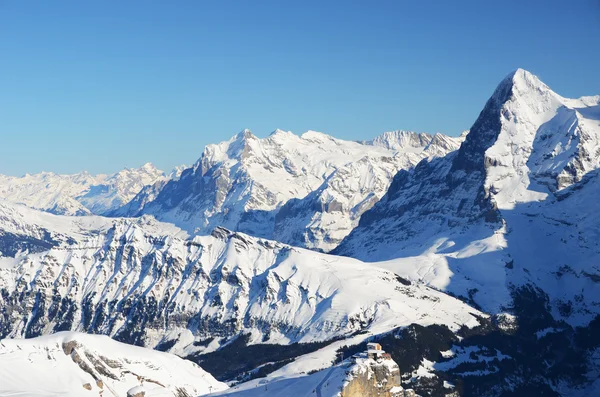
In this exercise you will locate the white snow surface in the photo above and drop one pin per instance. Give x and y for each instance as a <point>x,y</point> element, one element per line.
<point>515,205</point>
<point>82,193</point>
<point>545,139</point>
<point>41,367</point>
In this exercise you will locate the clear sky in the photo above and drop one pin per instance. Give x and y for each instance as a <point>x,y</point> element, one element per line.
<point>102,85</point>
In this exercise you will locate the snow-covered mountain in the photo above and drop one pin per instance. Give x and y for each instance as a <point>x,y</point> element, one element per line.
<point>513,206</point>
<point>82,193</point>
<point>307,190</point>
<point>74,365</point>
<point>147,283</point>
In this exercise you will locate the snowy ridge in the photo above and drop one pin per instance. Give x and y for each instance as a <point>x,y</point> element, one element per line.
<point>405,141</point>
<point>507,223</point>
<point>79,194</point>
<point>145,282</point>
<point>401,140</point>
<point>307,190</point>
<point>24,230</point>
<point>74,364</point>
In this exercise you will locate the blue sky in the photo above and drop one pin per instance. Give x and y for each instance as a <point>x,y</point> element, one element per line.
<point>102,85</point>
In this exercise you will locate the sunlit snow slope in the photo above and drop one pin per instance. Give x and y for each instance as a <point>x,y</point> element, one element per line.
<point>78,365</point>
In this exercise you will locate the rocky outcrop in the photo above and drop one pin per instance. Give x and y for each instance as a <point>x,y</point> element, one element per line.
<point>370,378</point>
<point>136,392</point>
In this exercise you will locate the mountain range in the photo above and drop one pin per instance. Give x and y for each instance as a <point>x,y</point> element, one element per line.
<point>473,260</point>
<point>307,190</point>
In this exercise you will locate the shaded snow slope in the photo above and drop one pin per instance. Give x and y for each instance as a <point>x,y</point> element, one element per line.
<point>78,194</point>
<point>74,364</point>
<point>307,190</point>
<point>514,205</point>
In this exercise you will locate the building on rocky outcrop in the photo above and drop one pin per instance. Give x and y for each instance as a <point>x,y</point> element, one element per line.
<point>374,373</point>
<point>374,351</point>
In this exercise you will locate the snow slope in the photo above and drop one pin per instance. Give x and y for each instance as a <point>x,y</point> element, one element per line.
<point>307,190</point>
<point>74,364</point>
<point>513,206</point>
<point>329,382</point>
<point>324,383</point>
<point>78,194</point>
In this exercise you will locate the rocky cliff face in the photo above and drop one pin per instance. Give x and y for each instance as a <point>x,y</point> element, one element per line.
<point>374,378</point>
<point>527,143</point>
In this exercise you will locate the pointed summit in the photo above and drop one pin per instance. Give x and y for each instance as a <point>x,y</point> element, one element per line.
<point>524,75</point>
<point>520,101</point>
<point>244,134</point>
<point>518,83</point>
<point>519,74</point>
<point>149,167</point>
<point>280,132</point>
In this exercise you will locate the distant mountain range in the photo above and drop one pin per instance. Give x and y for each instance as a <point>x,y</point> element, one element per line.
<point>82,193</point>
<point>307,190</point>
